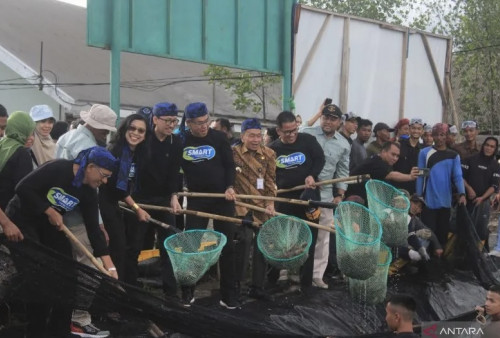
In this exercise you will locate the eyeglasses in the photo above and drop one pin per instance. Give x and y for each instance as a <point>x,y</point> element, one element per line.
<point>199,123</point>
<point>135,129</point>
<point>469,124</point>
<point>290,132</point>
<point>103,175</point>
<point>416,121</point>
<point>169,121</point>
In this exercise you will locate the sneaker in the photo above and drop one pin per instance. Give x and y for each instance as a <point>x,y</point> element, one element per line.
<point>318,282</point>
<point>259,293</point>
<point>283,276</point>
<point>495,253</point>
<point>187,297</point>
<point>229,304</point>
<point>87,331</point>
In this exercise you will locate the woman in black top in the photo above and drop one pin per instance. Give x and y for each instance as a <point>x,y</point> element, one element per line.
<point>129,145</point>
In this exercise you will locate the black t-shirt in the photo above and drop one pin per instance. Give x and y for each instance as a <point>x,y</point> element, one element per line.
<point>408,158</point>
<point>208,162</point>
<point>296,161</point>
<point>375,167</point>
<point>481,172</point>
<point>51,185</point>
<point>160,173</point>
<point>17,167</point>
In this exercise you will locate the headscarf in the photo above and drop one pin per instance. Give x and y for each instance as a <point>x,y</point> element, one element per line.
<point>20,126</point>
<point>43,148</point>
<point>125,164</point>
<point>440,128</point>
<point>100,156</point>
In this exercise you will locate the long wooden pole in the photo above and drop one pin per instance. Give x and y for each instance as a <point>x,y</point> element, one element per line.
<point>254,207</point>
<point>254,197</point>
<point>152,220</point>
<point>83,249</point>
<point>350,179</point>
<point>198,213</point>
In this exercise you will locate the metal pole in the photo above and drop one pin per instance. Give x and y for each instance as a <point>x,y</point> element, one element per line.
<point>287,53</point>
<point>115,60</point>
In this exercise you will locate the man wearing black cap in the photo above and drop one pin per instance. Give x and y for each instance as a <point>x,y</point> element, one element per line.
<point>336,149</point>
<point>299,160</point>
<point>382,134</point>
<point>158,185</point>
<point>208,166</point>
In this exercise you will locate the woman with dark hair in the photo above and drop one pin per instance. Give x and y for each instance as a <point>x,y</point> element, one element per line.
<point>130,146</point>
<point>481,179</point>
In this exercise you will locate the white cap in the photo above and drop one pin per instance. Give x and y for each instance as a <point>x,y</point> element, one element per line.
<point>41,112</point>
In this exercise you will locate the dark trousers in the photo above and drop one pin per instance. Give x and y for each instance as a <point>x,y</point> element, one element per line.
<point>47,320</point>
<point>112,217</point>
<point>438,220</point>
<point>227,260</point>
<point>136,233</point>
<point>244,241</point>
<point>306,271</point>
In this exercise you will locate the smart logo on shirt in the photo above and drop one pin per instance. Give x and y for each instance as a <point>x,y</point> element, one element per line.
<point>197,154</point>
<point>60,199</point>
<point>292,160</point>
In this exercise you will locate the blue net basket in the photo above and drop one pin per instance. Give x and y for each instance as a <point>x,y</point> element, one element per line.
<point>193,252</point>
<point>358,240</point>
<point>374,289</point>
<point>284,242</point>
<point>391,207</point>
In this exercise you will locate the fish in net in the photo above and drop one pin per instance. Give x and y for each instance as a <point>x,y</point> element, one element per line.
<point>193,252</point>
<point>391,207</point>
<point>358,240</point>
<point>284,241</point>
<point>374,289</point>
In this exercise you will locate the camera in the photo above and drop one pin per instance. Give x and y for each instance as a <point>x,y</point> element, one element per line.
<point>327,101</point>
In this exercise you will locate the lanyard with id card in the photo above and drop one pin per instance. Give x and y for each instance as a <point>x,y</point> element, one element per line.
<point>260,180</point>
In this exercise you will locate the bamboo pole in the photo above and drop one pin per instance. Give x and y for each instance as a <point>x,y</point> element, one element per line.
<point>198,213</point>
<point>254,197</point>
<point>349,179</point>
<point>84,250</point>
<point>254,207</point>
<point>152,220</point>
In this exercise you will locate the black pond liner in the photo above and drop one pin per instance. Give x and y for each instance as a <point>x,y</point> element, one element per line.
<point>442,293</point>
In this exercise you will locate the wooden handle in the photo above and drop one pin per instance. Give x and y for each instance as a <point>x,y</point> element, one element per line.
<point>83,249</point>
<point>348,180</point>
<point>197,213</point>
<point>254,207</point>
<point>240,196</point>
<point>151,220</point>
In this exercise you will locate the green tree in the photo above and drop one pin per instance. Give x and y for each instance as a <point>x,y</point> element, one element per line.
<point>476,62</point>
<point>251,90</point>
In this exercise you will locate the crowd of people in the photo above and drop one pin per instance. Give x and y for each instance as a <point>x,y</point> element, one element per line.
<point>52,177</point>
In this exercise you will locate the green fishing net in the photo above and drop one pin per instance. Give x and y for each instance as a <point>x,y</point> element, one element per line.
<point>391,207</point>
<point>284,241</point>
<point>358,240</point>
<point>193,252</point>
<point>374,289</point>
